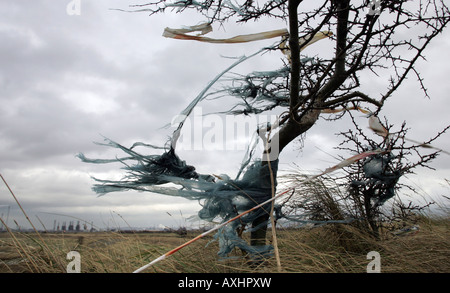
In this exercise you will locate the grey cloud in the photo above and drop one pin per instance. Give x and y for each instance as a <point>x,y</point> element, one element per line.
<point>64,80</point>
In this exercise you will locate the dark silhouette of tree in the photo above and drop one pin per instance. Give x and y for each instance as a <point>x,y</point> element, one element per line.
<point>380,37</point>
<point>375,180</point>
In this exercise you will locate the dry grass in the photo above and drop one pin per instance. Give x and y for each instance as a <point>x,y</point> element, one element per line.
<point>344,250</point>
<point>327,249</point>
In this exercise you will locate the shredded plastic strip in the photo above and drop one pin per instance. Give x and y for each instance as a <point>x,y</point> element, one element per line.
<point>304,42</point>
<point>328,170</point>
<point>180,34</point>
<point>201,96</point>
<point>378,128</point>
<point>164,256</point>
<point>352,160</point>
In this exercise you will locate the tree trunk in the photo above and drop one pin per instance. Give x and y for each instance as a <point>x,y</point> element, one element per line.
<point>297,125</point>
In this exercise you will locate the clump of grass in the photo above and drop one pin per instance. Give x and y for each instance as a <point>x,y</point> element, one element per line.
<point>316,250</point>
<point>336,248</point>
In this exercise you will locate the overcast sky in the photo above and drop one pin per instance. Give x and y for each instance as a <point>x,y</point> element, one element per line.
<point>65,80</point>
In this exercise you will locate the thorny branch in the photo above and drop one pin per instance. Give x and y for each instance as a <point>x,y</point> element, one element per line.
<point>365,45</point>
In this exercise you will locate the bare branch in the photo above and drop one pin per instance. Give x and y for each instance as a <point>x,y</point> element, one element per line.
<point>350,97</point>
<point>295,54</point>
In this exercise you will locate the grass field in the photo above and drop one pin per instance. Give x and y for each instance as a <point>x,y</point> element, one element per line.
<point>326,249</point>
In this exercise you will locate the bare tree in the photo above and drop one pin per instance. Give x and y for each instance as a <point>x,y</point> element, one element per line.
<point>379,37</point>
<point>375,180</point>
